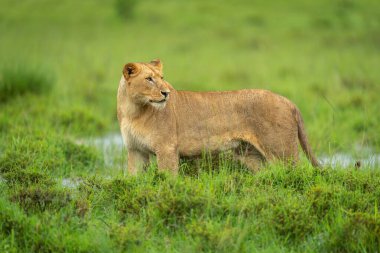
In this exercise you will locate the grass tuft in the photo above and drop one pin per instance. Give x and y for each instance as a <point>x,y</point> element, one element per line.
<point>19,80</point>
<point>40,199</point>
<point>59,196</point>
<point>79,120</point>
<point>292,219</point>
<point>125,8</point>
<point>47,153</point>
<point>356,232</point>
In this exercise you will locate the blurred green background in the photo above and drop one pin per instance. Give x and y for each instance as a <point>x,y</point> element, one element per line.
<point>323,55</point>
<point>62,169</point>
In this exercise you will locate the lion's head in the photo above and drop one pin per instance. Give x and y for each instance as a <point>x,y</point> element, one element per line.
<point>145,83</point>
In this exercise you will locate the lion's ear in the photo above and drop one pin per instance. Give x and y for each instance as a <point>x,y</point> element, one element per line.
<point>157,63</point>
<point>131,69</point>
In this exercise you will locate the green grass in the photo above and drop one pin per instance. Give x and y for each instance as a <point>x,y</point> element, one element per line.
<point>60,67</point>
<point>229,210</point>
<point>20,80</point>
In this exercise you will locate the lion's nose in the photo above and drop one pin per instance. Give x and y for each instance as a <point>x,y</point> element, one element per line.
<point>165,93</point>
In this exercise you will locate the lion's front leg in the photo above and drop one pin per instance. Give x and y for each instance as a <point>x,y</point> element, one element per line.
<point>168,159</point>
<point>137,160</point>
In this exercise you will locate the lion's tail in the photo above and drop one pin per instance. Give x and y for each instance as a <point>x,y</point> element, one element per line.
<point>304,141</point>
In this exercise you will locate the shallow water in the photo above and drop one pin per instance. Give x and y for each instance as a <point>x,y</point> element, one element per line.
<point>111,145</point>
<point>346,160</point>
<point>70,183</point>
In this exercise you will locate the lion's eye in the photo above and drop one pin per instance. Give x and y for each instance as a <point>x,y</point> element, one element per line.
<point>150,79</point>
<point>162,78</point>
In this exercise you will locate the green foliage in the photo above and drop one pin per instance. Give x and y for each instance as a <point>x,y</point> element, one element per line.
<point>320,198</point>
<point>130,236</point>
<point>213,236</point>
<point>22,79</point>
<point>26,177</point>
<point>323,55</point>
<point>228,210</point>
<point>292,219</point>
<point>40,199</point>
<point>27,233</point>
<point>125,8</point>
<point>179,201</point>
<point>355,232</point>
<point>78,121</point>
<point>46,153</point>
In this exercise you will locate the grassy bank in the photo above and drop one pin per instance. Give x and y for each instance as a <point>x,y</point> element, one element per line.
<point>228,210</point>
<point>59,70</point>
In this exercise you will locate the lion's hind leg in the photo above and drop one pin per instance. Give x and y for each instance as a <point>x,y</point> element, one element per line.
<point>248,155</point>
<point>252,162</point>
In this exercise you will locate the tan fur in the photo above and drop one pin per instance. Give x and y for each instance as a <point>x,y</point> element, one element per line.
<point>257,125</point>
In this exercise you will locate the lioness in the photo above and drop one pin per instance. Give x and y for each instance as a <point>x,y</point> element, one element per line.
<point>154,118</point>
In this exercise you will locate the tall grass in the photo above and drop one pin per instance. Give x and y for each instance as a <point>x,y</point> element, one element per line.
<point>18,80</point>
<point>323,55</point>
<point>227,209</point>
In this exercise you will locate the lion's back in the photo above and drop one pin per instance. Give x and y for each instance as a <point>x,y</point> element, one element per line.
<point>224,116</point>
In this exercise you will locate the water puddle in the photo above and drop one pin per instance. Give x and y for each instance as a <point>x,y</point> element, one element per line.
<point>343,160</point>
<point>2,180</point>
<point>70,183</point>
<point>111,146</point>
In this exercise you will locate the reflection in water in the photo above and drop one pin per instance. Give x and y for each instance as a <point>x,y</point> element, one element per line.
<point>346,160</point>
<point>70,183</point>
<point>111,146</point>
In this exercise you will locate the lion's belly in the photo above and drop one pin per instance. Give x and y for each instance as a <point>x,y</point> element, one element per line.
<point>195,146</point>
<point>213,133</point>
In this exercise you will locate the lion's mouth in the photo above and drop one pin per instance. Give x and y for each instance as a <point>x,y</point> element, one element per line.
<point>158,101</point>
